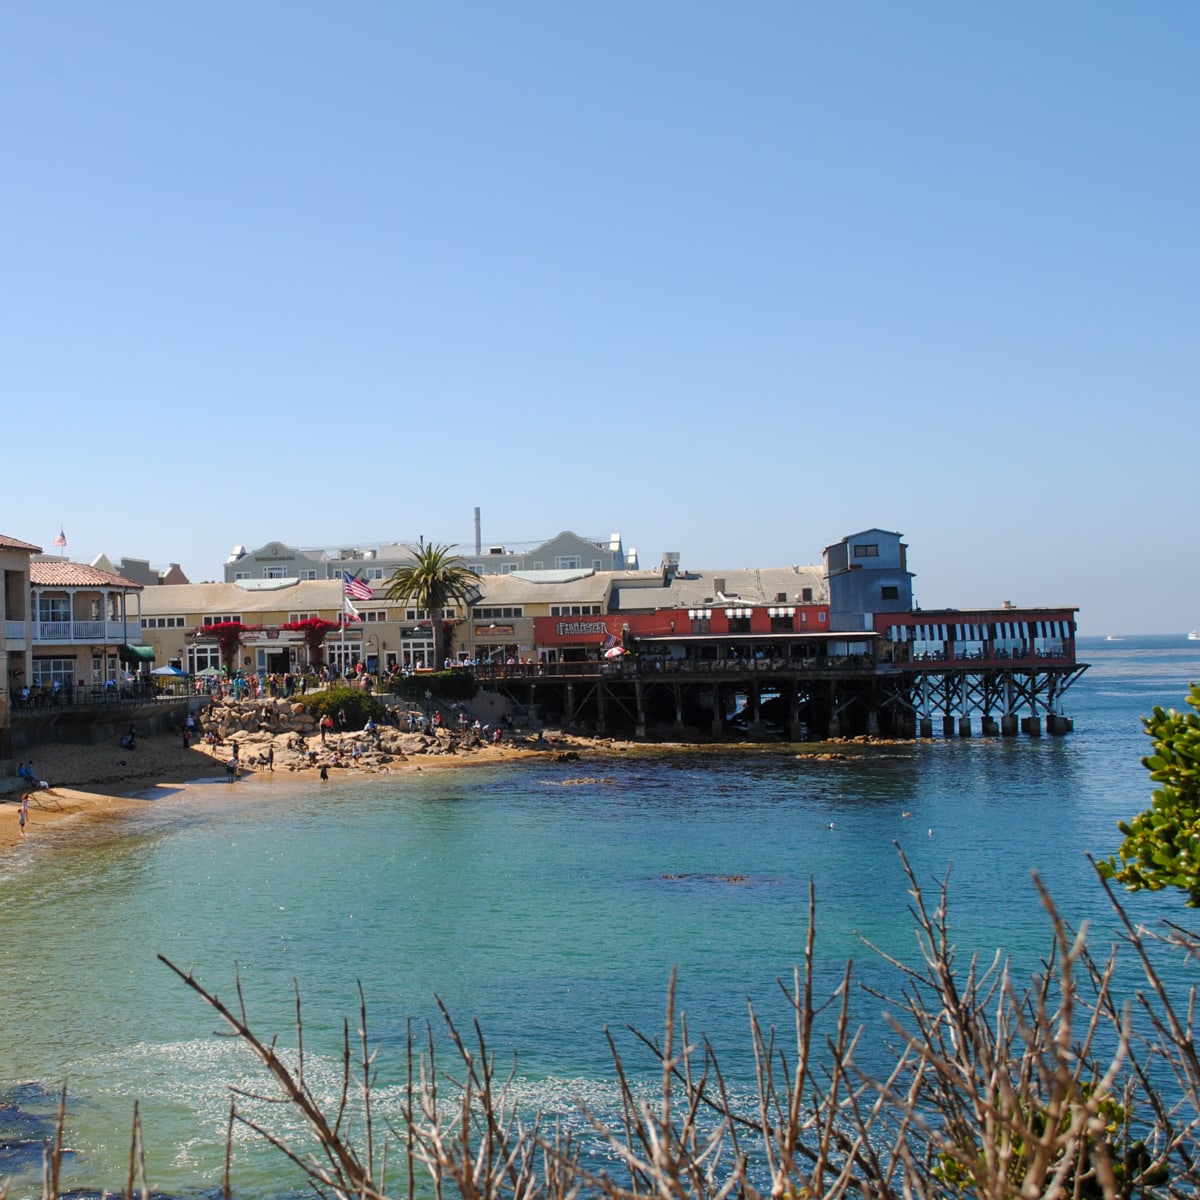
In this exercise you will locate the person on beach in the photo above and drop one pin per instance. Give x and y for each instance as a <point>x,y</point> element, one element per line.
<point>270,758</point>
<point>23,815</point>
<point>324,773</point>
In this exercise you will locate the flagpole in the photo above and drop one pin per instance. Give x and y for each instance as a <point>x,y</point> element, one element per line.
<point>343,662</point>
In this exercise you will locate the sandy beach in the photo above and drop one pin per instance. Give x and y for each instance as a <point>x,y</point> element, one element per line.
<point>104,780</point>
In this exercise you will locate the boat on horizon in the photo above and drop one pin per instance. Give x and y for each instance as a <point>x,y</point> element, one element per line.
<point>1194,636</point>
<point>1113,637</point>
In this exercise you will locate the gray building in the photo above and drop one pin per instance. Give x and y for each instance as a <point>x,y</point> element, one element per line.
<point>375,564</point>
<point>866,573</point>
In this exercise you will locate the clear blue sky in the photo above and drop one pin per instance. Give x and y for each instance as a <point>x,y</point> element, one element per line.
<point>734,280</point>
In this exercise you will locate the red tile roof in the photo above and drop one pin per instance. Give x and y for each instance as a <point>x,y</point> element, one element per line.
<point>8,543</point>
<point>61,572</point>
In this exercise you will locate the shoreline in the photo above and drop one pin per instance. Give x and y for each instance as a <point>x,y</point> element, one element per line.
<point>99,781</point>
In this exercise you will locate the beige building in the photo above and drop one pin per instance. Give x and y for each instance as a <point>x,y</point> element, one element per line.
<point>384,635</point>
<point>16,651</point>
<point>84,623</point>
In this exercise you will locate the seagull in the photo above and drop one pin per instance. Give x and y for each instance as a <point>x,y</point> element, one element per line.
<point>906,814</point>
<point>830,825</point>
<point>931,833</point>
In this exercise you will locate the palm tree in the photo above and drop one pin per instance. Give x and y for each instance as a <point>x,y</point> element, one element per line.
<point>431,581</point>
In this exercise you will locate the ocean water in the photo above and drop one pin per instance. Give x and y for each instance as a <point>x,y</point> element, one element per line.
<point>547,901</point>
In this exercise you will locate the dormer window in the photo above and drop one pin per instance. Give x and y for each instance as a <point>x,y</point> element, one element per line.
<point>867,550</point>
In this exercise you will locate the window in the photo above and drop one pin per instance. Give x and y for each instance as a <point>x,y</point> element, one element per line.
<point>506,613</point>
<point>575,610</point>
<point>507,568</point>
<point>537,566</point>
<point>889,593</point>
<point>241,575</point>
<point>476,567</point>
<point>821,618</point>
<point>162,623</point>
<point>597,565</point>
<point>568,562</point>
<point>306,575</point>
<point>373,614</point>
<point>53,608</point>
<point>294,617</point>
<point>200,658</point>
<point>274,573</point>
<point>806,595</point>
<point>374,572</point>
<point>53,670</point>
<point>221,620</point>
<point>868,550</point>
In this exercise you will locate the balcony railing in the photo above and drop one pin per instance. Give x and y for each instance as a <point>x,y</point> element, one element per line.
<point>107,632</point>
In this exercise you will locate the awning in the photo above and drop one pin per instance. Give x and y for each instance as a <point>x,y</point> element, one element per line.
<point>135,654</point>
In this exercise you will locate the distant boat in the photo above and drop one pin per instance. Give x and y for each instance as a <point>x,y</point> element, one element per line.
<point>1112,637</point>
<point>1194,636</point>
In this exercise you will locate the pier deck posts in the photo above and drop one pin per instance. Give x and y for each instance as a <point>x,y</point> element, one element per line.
<point>873,723</point>
<point>989,726</point>
<point>926,727</point>
<point>718,717</point>
<point>1032,726</point>
<point>947,726</point>
<point>964,726</point>
<point>678,691</point>
<point>1008,725</point>
<point>640,699</point>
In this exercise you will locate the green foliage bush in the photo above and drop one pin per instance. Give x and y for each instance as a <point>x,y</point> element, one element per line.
<point>1162,845</point>
<point>444,685</point>
<point>354,702</point>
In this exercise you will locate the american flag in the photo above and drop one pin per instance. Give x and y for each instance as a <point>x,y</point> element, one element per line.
<point>609,642</point>
<point>355,587</point>
<point>61,540</point>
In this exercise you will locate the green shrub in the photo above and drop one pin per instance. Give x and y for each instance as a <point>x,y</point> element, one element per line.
<point>444,685</point>
<point>355,703</point>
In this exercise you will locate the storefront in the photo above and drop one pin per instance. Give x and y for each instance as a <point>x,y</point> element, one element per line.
<point>575,639</point>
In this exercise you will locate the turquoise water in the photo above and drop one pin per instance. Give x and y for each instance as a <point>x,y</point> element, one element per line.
<point>546,900</point>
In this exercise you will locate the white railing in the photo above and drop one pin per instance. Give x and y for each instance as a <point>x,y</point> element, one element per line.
<point>107,632</point>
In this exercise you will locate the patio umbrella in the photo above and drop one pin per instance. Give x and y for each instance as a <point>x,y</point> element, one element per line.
<point>210,671</point>
<point>615,652</point>
<point>171,672</point>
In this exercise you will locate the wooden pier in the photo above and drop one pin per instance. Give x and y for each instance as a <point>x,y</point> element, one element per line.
<point>808,697</point>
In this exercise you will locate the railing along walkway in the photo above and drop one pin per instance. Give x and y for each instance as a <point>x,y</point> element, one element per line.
<point>93,696</point>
